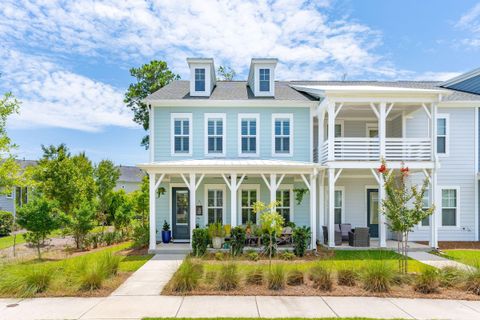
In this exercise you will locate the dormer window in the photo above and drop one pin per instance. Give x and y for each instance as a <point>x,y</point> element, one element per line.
<point>200,79</point>
<point>264,80</point>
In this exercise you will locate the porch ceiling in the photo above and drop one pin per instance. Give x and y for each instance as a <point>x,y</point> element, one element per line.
<point>364,111</point>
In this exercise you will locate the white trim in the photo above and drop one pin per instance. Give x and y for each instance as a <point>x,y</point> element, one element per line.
<point>245,187</point>
<point>475,171</point>
<point>376,187</point>
<point>214,116</point>
<point>370,126</point>
<point>290,188</point>
<point>445,116</point>
<point>288,116</point>
<point>151,131</point>
<point>242,116</point>
<point>342,189</point>
<point>174,116</point>
<point>457,213</point>
<point>212,187</point>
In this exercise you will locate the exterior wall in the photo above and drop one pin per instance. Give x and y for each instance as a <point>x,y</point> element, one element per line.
<point>7,204</point>
<point>301,212</point>
<point>301,131</point>
<point>128,186</point>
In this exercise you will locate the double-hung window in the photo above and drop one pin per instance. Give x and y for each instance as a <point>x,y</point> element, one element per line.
<point>449,207</point>
<point>338,206</point>
<point>215,205</point>
<point>248,134</point>
<point>284,207</point>
<point>442,134</point>
<point>426,206</point>
<point>200,79</point>
<point>264,80</point>
<point>248,198</point>
<point>215,137</point>
<point>282,134</point>
<point>181,133</point>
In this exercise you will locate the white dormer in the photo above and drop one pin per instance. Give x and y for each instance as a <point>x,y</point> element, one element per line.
<point>202,76</point>
<point>261,77</point>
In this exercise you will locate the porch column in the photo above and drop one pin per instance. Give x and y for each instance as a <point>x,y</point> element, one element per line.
<point>331,131</point>
<point>321,204</point>
<point>233,185</point>
<point>434,218</point>
<point>320,134</point>
<point>193,188</point>
<point>153,186</point>
<point>313,209</point>
<point>382,226</point>
<point>331,207</point>
<point>273,184</point>
<point>382,128</point>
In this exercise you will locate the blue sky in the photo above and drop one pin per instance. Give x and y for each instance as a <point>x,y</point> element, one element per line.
<point>68,61</point>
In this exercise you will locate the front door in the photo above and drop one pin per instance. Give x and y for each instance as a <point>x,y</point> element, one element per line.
<point>181,213</point>
<point>372,212</point>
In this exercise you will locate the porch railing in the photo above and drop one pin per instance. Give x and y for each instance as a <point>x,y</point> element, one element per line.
<point>408,149</point>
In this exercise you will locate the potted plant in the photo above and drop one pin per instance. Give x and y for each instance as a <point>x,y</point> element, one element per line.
<point>166,232</point>
<point>217,233</point>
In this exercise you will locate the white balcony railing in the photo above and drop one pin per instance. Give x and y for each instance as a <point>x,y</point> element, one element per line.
<point>368,149</point>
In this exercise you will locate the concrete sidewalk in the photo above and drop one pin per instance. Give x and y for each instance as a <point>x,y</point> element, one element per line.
<point>436,261</point>
<point>136,307</point>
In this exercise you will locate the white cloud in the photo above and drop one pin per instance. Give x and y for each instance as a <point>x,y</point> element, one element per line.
<point>52,96</point>
<point>470,21</point>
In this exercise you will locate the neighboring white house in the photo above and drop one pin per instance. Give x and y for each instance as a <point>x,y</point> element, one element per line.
<point>218,146</point>
<point>130,178</point>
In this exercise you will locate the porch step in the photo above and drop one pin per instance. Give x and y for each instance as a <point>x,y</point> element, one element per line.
<point>171,249</point>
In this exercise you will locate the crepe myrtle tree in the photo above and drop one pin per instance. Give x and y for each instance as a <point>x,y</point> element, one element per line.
<point>403,207</point>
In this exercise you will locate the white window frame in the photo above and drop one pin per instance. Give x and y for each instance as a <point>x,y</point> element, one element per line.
<point>279,116</point>
<point>457,213</point>
<point>215,116</point>
<point>370,126</point>
<point>289,188</point>
<point>247,187</point>
<point>242,116</point>
<point>445,116</point>
<point>342,216</point>
<point>342,128</point>
<point>214,187</point>
<point>204,80</point>
<point>173,117</point>
<point>420,225</point>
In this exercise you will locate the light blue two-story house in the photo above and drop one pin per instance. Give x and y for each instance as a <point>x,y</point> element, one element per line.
<point>216,147</point>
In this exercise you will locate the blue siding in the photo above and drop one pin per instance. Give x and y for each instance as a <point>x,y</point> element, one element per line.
<point>301,133</point>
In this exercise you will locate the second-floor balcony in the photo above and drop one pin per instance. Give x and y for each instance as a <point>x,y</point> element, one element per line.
<point>368,149</point>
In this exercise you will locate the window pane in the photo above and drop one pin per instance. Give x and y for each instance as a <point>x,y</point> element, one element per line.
<point>286,144</point>
<point>211,144</point>
<point>338,199</point>
<point>338,130</point>
<point>442,126</point>
<point>211,200</point>
<point>211,127</point>
<point>244,198</point>
<point>185,127</point>
<point>219,127</point>
<point>199,79</point>
<point>219,146</point>
<point>185,144</point>
<point>253,146</point>
<point>278,128</point>
<point>449,217</point>
<point>338,216</point>
<point>244,144</point>
<point>278,144</point>
<point>253,127</point>
<point>219,198</point>
<point>426,222</point>
<point>441,145</point>
<point>286,128</point>
<point>253,197</point>
<point>178,144</point>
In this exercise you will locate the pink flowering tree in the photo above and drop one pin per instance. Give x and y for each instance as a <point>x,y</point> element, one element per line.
<point>403,207</point>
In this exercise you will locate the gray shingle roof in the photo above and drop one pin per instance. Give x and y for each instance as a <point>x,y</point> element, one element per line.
<point>130,174</point>
<point>238,90</point>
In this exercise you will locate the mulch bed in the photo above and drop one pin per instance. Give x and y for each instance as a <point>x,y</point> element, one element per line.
<point>446,245</point>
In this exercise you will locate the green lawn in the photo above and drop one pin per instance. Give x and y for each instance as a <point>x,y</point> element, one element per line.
<point>470,257</point>
<point>6,242</point>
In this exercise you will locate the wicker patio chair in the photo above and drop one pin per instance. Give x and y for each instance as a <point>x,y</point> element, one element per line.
<point>359,237</point>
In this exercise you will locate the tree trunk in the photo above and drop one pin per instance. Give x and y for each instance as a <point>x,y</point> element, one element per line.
<point>38,251</point>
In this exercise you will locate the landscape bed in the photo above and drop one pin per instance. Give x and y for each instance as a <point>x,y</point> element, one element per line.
<point>216,271</point>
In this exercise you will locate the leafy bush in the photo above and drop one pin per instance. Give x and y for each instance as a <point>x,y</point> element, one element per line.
<point>286,255</point>
<point>228,277</point>
<point>427,281</point>
<point>347,277</point>
<point>216,230</point>
<point>80,223</point>
<point>123,218</point>
<point>295,278</point>
<point>6,223</point>
<point>321,277</point>
<point>301,238</point>
<point>94,240</point>
<point>141,235</point>
<point>200,242</point>
<point>451,276</point>
<point>472,281</point>
<point>27,281</point>
<point>255,276</point>
<point>276,277</point>
<point>187,276</point>
<point>237,240</point>
<point>377,277</point>
<point>111,237</point>
<point>253,256</point>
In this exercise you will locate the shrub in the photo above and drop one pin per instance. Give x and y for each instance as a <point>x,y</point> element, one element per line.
<point>187,276</point>
<point>427,281</point>
<point>472,281</point>
<point>321,277</point>
<point>255,276</point>
<point>123,218</point>
<point>92,276</point>
<point>403,278</point>
<point>347,277</point>
<point>276,277</point>
<point>109,263</point>
<point>80,223</point>
<point>6,223</point>
<point>228,277</point>
<point>301,238</point>
<point>237,240</point>
<point>111,237</point>
<point>451,276</point>
<point>141,235</point>
<point>378,277</point>
<point>94,240</point>
<point>26,281</point>
<point>253,256</point>
<point>219,256</point>
<point>295,278</point>
<point>200,242</point>
<point>210,277</point>
<point>287,255</point>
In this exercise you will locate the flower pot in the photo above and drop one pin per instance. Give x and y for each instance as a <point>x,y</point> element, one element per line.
<point>166,236</point>
<point>217,242</point>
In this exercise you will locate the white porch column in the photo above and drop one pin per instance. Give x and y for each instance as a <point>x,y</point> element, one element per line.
<point>313,209</point>
<point>320,134</point>
<point>152,217</point>
<point>321,204</point>
<point>331,207</point>
<point>193,188</point>
<point>382,128</point>
<point>331,131</point>
<point>233,185</point>
<point>273,187</point>
<point>382,226</point>
<point>434,218</point>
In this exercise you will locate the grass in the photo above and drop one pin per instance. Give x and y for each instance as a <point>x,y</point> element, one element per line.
<point>65,275</point>
<point>470,257</point>
<point>7,242</point>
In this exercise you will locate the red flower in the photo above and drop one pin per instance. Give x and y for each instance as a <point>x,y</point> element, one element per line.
<point>404,170</point>
<point>382,168</point>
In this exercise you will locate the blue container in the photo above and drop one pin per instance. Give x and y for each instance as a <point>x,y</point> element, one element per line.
<point>166,236</point>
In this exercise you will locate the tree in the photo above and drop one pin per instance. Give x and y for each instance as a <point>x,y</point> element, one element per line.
<point>39,217</point>
<point>226,73</point>
<point>403,207</point>
<point>123,218</point>
<point>106,176</point>
<point>271,223</point>
<point>139,200</point>
<point>81,223</point>
<point>150,77</point>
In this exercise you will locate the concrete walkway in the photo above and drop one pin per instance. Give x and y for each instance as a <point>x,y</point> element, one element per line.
<point>436,261</point>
